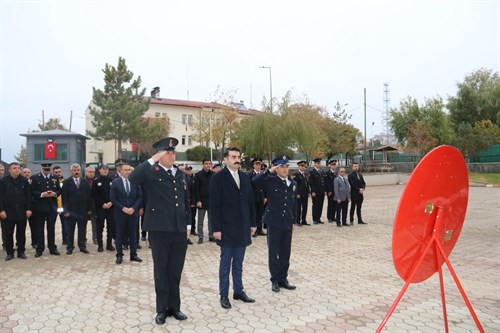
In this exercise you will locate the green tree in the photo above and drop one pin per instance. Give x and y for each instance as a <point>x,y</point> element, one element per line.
<point>430,115</point>
<point>472,139</point>
<point>117,110</point>
<point>198,153</point>
<point>153,128</point>
<point>477,99</point>
<point>341,138</point>
<point>22,156</point>
<point>51,124</point>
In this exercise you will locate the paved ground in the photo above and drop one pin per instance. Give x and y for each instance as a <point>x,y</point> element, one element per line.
<point>345,277</point>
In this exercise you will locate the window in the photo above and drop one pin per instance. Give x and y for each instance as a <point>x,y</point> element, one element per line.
<point>61,151</point>
<point>164,114</point>
<point>190,120</point>
<point>183,140</point>
<point>184,119</point>
<point>157,114</point>
<point>190,143</point>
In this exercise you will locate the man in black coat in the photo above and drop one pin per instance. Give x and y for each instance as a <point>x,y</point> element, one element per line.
<point>317,183</point>
<point>15,208</point>
<point>168,223</point>
<point>104,210</point>
<point>330,176</point>
<point>258,196</point>
<point>45,189</point>
<point>201,195</point>
<point>302,180</point>
<point>279,219</point>
<point>232,213</point>
<point>358,186</point>
<point>190,186</point>
<point>77,205</point>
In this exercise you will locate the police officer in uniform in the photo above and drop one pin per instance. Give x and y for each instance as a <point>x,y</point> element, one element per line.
<point>258,197</point>
<point>103,206</point>
<point>301,178</point>
<point>317,184</point>
<point>279,218</point>
<point>168,223</point>
<point>45,189</point>
<point>330,176</point>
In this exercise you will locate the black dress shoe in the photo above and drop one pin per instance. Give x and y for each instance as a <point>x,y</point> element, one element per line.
<point>189,242</point>
<point>55,253</point>
<point>299,225</point>
<point>305,223</point>
<point>160,316</point>
<point>100,249</point>
<point>9,257</point>
<point>143,238</point>
<point>135,258</point>
<point>38,254</point>
<point>22,256</point>
<point>275,287</point>
<point>243,297</point>
<point>194,233</point>
<point>320,222</point>
<point>211,239</point>
<point>286,285</point>
<point>254,235</point>
<point>362,222</point>
<point>69,252</point>
<point>177,315</point>
<point>110,248</point>
<point>85,251</point>
<point>118,261</point>
<point>339,225</point>
<point>139,246</point>
<point>345,225</point>
<point>224,302</point>
<point>200,241</point>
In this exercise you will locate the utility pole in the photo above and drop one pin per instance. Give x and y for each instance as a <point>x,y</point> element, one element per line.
<point>365,127</point>
<point>70,119</point>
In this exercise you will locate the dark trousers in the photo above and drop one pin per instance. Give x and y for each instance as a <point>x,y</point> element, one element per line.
<point>126,226</point>
<point>193,219</point>
<point>342,209</point>
<point>259,211</point>
<point>8,233</point>
<point>64,228</point>
<point>40,220</point>
<point>302,209</point>
<point>279,243</point>
<point>231,260</point>
<point>71,223</point>
<point>31,222</point>
<point>317,208</point>
<point>356,202</point>
<point>331,211</point>
<point>169,252</point>
<point>105,215</point>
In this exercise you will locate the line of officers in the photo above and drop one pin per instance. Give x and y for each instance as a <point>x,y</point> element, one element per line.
<point>41,197</point>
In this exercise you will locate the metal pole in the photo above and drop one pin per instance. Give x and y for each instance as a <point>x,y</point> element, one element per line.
<point>210,143</point>
<point>270,87</point>
<point>365,127</point>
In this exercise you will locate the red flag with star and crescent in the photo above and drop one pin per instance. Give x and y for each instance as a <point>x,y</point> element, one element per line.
<point>50,150</point>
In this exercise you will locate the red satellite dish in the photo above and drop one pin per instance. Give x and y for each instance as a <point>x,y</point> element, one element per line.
<point>440,182</point>
<point>428,222</point>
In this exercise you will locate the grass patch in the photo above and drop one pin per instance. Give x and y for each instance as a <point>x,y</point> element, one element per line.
<point>486,178</point>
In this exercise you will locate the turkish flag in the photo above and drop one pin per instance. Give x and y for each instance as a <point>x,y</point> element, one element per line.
<point>50,150</point>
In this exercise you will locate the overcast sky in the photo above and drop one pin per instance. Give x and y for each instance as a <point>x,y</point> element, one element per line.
<point>53,53</point>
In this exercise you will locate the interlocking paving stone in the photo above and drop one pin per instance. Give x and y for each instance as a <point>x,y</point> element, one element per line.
<point>345,277</point>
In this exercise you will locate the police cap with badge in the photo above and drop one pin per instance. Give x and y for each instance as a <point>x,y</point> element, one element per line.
<point>282,160</point>
<point>167,144</point>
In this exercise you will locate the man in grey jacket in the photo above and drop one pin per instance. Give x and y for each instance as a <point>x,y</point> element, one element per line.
<point>342,195</point>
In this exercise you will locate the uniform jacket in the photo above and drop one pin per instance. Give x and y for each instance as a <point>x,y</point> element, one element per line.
<point>357,182</point>
<point>341,189</point>
<point>167,205</point>
<point>190,187</point>
<point>201,187</point>
<point>302,181</point>
<point>232,210</point>
<point>100,191</point>
<point>40,184</point>
<point>15,197</point>
<point>76,201</point>
<point>317,181</point>
<point>280,210</point>
<point>329,178</point>
<point>121,199</point>
<point>258,193</point>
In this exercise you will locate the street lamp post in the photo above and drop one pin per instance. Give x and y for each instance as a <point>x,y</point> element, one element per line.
<point>270,86</point>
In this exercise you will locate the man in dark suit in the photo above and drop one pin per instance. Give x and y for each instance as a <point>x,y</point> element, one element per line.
<point>279,218</point>
<point>258,196</point>
<point>126,199</point>
<point>317,183</point>
<point>330,176</point>
<point>104,208</point>
<point>358,186</point>
<point>342,195</point>
<point>45,189</point>
<point>15,208</point>
<point>302,180</point>
<point>190,185</point>
<point>232,213</point>
<point>168,223</point>
<point>77,203</point>
<point>202,195</point>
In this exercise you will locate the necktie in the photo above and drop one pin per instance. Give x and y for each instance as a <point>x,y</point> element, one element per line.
<point>127,186</point>
<point>169,171</point>
<point>357,175</point>
<point>236,178</point>
<point>77,182</point>
<point>344,181</point>
<point>284,182</point>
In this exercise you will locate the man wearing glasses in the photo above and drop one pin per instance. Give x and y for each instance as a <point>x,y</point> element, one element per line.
<point>279,218</point>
